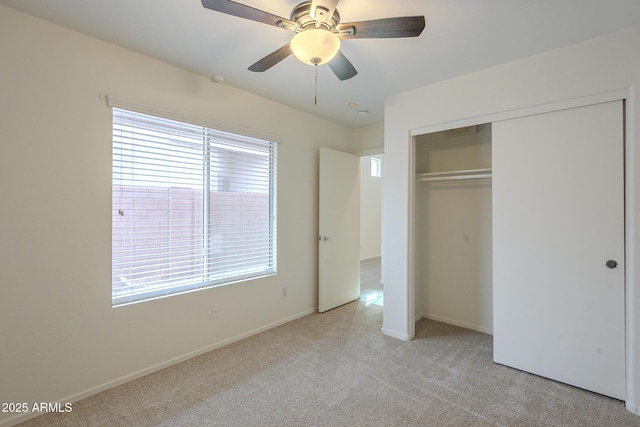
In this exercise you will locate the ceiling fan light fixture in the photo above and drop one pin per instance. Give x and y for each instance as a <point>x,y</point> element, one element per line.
<point>315,46</point>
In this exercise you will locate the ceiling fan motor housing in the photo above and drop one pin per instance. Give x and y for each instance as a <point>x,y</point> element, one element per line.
<point>302,15</point>
<point>322,10</point>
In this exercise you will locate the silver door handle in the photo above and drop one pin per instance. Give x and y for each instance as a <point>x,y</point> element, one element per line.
<point>323,238</point>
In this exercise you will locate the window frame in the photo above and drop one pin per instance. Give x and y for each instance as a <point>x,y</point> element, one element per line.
<point>375,166</point>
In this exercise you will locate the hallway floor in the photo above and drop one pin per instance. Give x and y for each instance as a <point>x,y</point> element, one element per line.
<point>371,291</point>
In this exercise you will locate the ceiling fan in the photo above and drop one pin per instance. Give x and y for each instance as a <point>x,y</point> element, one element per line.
<point>319,31</point>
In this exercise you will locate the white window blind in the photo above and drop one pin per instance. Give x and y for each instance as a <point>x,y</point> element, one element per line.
<point>193,207</point>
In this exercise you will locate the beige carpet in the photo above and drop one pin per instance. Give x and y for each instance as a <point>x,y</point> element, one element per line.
<point>337,369</point>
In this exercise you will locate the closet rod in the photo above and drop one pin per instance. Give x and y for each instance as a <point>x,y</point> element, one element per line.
<point>454,178</point>
<point>454,175</point>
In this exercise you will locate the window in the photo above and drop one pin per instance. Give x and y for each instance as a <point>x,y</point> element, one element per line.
<point>376,167</point>
<point>193,207</point>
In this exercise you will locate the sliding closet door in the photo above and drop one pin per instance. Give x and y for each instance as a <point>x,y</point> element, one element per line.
<point>558,239</point>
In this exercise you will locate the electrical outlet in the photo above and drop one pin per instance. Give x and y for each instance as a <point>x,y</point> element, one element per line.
<point>284,292</point>
<point>214,311</point>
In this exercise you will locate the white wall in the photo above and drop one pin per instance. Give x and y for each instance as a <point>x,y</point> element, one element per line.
<point>370,209</point>
<point>605,64</point>
<point>368,139</point>
<point>60,338</point>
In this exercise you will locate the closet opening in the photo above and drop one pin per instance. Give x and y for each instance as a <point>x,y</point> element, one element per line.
<point>453,227</point>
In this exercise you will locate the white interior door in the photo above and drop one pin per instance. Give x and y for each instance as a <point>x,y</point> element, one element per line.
<point>558,217</point>
<point>339,234</point>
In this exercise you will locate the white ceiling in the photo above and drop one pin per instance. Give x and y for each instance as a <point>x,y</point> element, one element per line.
<point>461,36</point>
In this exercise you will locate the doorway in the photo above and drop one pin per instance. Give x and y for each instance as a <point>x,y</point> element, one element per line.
<point>350,229</point>
<point>371,173</point>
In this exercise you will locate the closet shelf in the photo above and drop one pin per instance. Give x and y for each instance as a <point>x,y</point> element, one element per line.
<point>454,175</point>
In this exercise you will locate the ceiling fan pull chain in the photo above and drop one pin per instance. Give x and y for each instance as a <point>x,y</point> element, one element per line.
<point>315,89</point>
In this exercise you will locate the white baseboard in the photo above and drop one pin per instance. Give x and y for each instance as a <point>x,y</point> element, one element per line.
<point>141,373</point>
<point>635,409</point>
<point>455,323</point>
<point>396,335</point>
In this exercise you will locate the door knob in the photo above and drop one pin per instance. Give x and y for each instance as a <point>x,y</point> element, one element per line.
<point>323,238</point>
<point>611,264</point>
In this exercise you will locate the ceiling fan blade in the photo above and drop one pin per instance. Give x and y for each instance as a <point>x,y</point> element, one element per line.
<point>247,12</point>
<point>405,26</point>
<point>342,67</point>
<point>272,59</point>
